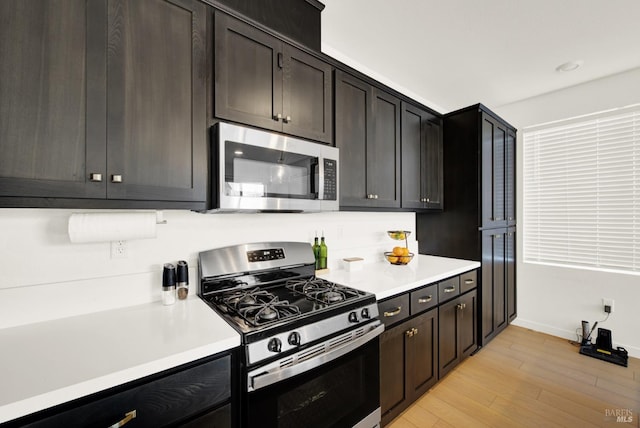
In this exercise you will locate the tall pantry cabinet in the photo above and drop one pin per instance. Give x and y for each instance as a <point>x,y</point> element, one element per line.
<point>479,219</point>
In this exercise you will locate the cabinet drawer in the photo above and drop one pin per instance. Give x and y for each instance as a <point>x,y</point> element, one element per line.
<point>448,288</point>
<point>394,309</point>
<point>468,281</point>
<point>168,400</point>
<point>424,299</point>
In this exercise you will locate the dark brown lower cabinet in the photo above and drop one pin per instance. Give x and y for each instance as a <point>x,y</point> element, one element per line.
<point>457,320</point>
<point>198,394</point>
<point>498,281</point>
<point>408,363</point>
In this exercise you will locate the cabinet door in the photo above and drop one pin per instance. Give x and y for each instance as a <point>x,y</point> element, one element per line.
<point>422,357</point>
<point>510,177</point>
<point>448,351</point>
<point>392,371</point>
<point>421,159</point>
<point>494,292</point>
<point>468,323</point>
<point>353,101</point>
<point>494,135</point>
<point>307,101</point>
<point>510,275</point>
<point>52,93</point>
<point>248,74</point>
<point>156,110</point>
<point>433,165</point>
<point>383,151</point>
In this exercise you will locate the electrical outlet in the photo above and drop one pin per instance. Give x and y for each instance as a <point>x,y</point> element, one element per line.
<point>119,250</point>
<point>607,304</point>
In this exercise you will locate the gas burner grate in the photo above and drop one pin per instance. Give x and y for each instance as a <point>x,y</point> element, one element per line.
<point>321,290</point>
<point>259,307</point>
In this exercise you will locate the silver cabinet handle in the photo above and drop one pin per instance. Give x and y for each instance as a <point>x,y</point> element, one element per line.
<point>450,289</point>
<point>277,117</point>
<point>127,417</point>
<point>425,299</point>
<point>393,313</point>
<point>461,306</point>
<point>469,281</point>
<point>375,196</point>
<point>116,178</point>
<point>94,176</point>
<point>287,119</point>
<point>424,200</point>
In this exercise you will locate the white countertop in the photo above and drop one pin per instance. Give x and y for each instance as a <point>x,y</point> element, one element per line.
<point>48,363</point>
<point>386,280</point>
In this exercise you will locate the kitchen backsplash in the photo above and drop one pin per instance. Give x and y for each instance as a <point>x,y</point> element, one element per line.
<point>45,276</point>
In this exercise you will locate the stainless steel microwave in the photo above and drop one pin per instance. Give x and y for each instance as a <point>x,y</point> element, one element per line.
<point>260,171</point>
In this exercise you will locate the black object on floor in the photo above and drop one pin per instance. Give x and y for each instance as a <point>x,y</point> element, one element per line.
<point>618,356</point>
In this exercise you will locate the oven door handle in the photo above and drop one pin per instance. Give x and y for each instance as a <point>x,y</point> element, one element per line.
<point>269,377</point>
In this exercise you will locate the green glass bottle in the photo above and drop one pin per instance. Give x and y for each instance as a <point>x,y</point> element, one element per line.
<point>316,251</point>
<point>323,253</point>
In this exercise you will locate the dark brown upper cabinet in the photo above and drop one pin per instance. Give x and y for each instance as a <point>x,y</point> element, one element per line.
<point>494,150</point>
<point>156,108</point>
<point>421,159</point>
<point>264,82</point>
<point>510,177</point>
<point>368,136</point>
<point>104,101</point>
<point>52,112</point>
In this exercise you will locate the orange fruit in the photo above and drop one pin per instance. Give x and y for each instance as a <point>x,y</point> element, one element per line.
<point>405,251</point>
<point>398,251</point>
<point>405,260</point>
<point>393,259</point>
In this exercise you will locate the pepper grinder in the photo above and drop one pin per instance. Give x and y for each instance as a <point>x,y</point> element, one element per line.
<point>183,279</point>
<point>168,284</point>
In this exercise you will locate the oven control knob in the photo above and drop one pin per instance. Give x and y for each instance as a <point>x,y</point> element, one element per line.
<point>365,314</point>
<point>353,317</point>
<point>294,339</point>
<point>274,345</point>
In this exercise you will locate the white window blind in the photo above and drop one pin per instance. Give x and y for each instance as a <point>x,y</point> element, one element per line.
<point>581,193</point>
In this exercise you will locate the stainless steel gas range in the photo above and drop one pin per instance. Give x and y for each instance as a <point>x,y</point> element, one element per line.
<point>310,348</point>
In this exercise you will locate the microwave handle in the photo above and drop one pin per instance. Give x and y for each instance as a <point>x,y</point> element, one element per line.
<point>315,175</point>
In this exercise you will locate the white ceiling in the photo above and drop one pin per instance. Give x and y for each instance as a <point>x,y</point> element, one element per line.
<point>450,54</point>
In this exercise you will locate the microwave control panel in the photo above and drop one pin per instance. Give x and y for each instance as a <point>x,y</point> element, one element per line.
<point>330,179</point>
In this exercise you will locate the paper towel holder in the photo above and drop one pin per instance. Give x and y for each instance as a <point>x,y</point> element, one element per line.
<point>113,226</point>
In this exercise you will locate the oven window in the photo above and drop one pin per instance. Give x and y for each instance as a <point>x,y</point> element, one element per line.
<point>338,394</point>
<point>252,171</point>
<point>321,400</point>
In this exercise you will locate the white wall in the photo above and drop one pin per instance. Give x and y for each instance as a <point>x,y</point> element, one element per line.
<point>554,300</point>
<point>44,276</point>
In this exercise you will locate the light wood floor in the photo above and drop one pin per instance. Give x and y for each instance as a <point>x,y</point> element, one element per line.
<point>527,379</point>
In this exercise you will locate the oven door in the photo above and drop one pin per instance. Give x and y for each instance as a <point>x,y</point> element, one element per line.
<point>343,392</point>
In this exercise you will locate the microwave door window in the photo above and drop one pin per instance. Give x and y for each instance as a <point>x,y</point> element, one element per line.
<point>260,172</point>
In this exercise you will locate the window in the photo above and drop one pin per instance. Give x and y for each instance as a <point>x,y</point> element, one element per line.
<point>582,191</point>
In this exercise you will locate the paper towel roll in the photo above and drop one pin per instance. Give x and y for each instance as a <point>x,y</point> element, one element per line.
<point>104,227</point>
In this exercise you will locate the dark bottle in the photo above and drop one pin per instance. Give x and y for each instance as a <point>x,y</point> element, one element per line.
<point>316,251</point>
<point>322,259</point>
